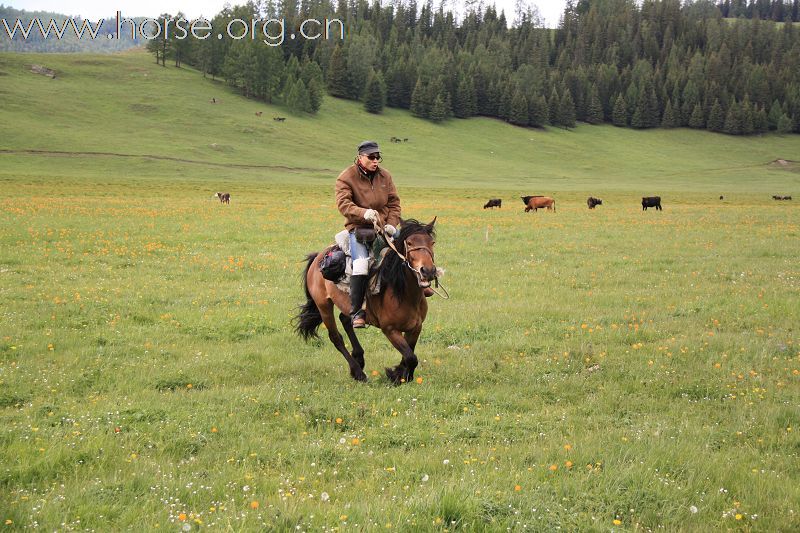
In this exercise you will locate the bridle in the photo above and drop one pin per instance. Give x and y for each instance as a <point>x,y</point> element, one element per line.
<point>404,258</point>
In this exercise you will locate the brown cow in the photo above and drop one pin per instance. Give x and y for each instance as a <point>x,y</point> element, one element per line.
<point>538,202</point>
<point>224,197</point>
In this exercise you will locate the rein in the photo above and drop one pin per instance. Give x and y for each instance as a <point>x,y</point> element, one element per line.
<point>379,228</point>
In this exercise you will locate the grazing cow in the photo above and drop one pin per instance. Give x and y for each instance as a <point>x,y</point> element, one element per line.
<point>592,201</point>
<point>787,197</point>
<point>279,119</point>
<point>651,201</point>
<point>224,197</point>
<point>721,197</point>
<point>538,202</point>
<point>776,197</point>
<point>258,113</point>
<point>494,202</point>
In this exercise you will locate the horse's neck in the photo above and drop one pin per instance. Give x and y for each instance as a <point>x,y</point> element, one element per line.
<point>413,290</point>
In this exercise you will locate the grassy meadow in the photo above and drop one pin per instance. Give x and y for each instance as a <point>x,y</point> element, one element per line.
<point>593,370</point>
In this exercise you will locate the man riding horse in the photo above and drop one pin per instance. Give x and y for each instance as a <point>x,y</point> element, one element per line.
<point>366,196</point>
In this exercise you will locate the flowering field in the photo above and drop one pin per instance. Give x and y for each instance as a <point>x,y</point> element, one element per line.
<point>593,370</point>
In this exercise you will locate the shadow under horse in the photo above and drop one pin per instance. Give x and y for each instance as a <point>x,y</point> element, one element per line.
<point>399,309</point>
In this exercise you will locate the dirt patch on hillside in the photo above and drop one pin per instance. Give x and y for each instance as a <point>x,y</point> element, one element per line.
<point>786,164</point>
<point>44,71</point>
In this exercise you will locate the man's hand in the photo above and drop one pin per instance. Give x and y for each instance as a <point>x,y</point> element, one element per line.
<point>370,215</point>
<point>389,230</point>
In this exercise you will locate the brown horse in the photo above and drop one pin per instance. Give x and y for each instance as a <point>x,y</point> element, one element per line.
<point>399,309</point>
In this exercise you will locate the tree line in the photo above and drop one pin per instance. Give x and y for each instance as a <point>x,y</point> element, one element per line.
<point>660,63</point>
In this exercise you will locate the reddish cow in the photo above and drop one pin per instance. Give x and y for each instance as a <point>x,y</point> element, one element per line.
<point>538,202</point>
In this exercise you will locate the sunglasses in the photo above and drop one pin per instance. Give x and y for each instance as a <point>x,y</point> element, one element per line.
<point>374,157</point>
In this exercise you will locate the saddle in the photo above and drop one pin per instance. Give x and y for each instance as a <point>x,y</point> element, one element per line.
<point>337,264</point>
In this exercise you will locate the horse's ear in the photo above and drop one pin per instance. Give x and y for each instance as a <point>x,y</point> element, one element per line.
<point>431,224</point>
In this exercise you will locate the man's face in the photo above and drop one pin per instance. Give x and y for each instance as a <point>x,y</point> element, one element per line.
<point>370,161</point>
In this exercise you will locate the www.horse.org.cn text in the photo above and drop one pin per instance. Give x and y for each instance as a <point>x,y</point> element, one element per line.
<point>272,32</point>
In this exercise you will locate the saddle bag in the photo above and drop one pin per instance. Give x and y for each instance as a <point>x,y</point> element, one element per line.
<point>333,264</point>
<point>365,234</point>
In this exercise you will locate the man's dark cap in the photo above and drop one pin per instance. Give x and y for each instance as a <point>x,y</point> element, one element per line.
<point>368,147</point>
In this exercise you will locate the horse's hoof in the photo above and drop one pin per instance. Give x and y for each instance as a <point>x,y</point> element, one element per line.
<point>359,376</point>
<point>395,376</point>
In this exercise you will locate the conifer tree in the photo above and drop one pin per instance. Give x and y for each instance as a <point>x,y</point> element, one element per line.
<point>746,114</point>
<point>594,110</point>
<point>784,124</point>
<point>668,120</point>
<point>419,101</point>
<point>733,120</point>
<point>716,119</point>
<point>566,110</point>
<point>519,110</point>
<point>439,109</point>
<point>505,102</point>
<point>375,94</point>
<point>553,104</point>
<point>465,104</point>
<point>760,121</point>
<point>697,120</point>
<point>620,113</point>
<point>337,79</point>
<point>775,113</point>
<point>538,113</point>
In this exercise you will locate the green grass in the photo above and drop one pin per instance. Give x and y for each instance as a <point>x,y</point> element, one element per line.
<point>591,366</point>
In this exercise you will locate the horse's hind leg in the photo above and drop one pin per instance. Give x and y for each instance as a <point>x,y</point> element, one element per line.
<point>336,338</point>
<point>358,351</point>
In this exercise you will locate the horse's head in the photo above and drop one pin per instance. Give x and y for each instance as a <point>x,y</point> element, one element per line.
<point>417,241</point>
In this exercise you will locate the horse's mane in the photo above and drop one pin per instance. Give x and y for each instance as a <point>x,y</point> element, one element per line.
<point>392,267</point>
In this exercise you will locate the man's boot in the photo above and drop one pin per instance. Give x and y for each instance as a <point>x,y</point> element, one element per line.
<point>358,287</point>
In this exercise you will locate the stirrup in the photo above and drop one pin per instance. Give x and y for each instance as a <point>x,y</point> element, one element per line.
<point>359,319</point>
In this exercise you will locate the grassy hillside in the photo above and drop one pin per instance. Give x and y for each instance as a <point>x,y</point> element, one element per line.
<point>598,370</point>
<point>126,104</point>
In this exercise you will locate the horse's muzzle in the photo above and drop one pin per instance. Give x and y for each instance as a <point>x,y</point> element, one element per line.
<point>428,275</point>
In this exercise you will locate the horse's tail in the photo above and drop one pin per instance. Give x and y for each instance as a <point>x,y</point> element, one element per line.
<point>309,318</point>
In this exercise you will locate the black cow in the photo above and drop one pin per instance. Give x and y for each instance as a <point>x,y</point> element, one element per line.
<point>592,201</point>
<point>651,201</point>
<point>721,197</point>
<point>494,202</point>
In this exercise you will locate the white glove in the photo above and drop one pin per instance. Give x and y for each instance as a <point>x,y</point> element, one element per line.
<point>389,230</point>
<point>370,215</point>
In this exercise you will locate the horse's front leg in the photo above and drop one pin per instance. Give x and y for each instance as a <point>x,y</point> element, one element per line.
<point>403,372</point>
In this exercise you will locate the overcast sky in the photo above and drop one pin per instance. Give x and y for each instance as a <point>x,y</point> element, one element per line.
<point>550,10</point>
